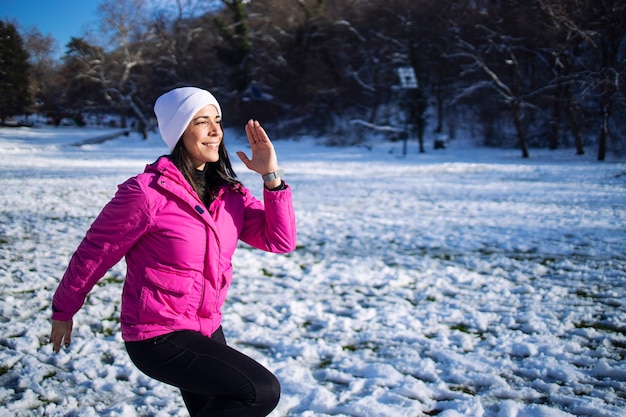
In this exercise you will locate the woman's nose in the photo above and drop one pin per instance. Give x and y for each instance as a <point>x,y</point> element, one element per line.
<point>213,128</point>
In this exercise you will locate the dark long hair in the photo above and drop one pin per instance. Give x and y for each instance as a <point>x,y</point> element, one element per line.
<point>216,174</point>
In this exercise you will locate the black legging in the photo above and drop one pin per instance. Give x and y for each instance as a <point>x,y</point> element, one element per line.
<point>214,379</point>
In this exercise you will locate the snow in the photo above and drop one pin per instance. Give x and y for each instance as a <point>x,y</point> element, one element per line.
<point>459,282</point>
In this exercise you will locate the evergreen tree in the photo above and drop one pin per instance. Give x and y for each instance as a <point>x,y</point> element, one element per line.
<point>14,73</point>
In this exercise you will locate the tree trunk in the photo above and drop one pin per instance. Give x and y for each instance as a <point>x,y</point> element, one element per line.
<point>575,126</point>
<point>553,132</point>
<point>521,138</point>
<point>439,127</point>
<point>604,133</point>
<point>141,118</point>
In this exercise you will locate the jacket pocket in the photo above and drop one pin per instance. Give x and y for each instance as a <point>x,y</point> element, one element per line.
<point>165,295</point>
<point>215,294</point>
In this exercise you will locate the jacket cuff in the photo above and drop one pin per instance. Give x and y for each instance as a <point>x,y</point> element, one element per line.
<point>282,186</point>
<point>60,315</point>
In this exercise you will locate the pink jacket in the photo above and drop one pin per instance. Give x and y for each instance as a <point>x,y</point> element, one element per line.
<point>178,253</point>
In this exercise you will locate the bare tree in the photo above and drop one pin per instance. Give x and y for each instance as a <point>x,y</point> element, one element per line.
<point>508,87</point>
<point>123,24</point>
<point>599,27</point>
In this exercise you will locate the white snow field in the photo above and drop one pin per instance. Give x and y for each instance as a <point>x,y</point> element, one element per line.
<point>459,282</point>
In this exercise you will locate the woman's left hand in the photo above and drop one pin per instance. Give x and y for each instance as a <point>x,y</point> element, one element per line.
<point>264,158</point>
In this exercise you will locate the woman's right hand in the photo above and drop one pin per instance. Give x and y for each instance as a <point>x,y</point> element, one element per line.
<point>61,334</point>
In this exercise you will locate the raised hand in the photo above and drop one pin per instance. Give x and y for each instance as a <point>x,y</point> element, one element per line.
<point>264,158</point>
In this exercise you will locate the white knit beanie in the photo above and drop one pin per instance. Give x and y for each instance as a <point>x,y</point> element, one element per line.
<point>175,109</point>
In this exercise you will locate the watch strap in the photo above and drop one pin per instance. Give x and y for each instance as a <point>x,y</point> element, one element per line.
<point>273,175</point>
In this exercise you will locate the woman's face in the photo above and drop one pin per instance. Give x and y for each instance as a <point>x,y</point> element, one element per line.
<point>203,136</point>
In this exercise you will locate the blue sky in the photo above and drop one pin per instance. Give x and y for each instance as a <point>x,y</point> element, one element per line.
<point>63,19</point>
<point>60,18</point>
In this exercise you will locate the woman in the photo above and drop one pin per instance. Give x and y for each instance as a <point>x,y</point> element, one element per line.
<point>178,224</point>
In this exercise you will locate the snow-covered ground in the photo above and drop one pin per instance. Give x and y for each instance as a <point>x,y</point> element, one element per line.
<point>459,282</point>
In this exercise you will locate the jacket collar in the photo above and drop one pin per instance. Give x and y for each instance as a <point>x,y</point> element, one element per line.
<point>164,166</point>
<point>167,172</point>
<point>172,180</point>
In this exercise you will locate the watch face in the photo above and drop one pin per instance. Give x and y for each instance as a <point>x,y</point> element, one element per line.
<point>272,175</point>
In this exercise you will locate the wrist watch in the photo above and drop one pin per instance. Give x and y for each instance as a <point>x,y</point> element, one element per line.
<point>273,175</point>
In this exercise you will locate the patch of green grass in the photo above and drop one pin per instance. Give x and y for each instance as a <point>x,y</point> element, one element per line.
<point>465,328</point>
<point>582,293</point>
<point>463,388</point>
<point>462,327</point>
<point>49,375</point>
<point>547,261</point>
<point>107,359</point>
<point>111,279</point>
<point>444,256</point>
<point>107,332</point>
<point>325,363</point>
<point>366,345</point>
